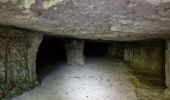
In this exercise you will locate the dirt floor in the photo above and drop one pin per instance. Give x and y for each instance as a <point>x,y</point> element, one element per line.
<point>100,79</point>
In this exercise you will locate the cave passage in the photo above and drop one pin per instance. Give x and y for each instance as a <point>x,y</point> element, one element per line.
<point>51,52</point>
<point>95,48</point>
<point>103,76</point>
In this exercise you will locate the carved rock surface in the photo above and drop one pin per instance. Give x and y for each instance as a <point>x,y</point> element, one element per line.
<point>92,19</point>
<point>18,49</point>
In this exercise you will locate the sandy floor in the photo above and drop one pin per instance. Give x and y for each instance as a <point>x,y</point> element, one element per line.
<point>99,79</point>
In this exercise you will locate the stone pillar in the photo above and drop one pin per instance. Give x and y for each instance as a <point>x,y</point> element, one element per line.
<point>167,64</point>
<point>74,51</point>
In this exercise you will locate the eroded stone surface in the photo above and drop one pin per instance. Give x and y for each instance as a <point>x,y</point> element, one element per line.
<point>92,19</point>
<point>147,57</point>
<point>116,49</point>
<point>17,59</point>
<point>167,64</point>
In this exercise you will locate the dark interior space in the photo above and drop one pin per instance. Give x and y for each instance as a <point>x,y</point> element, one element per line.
<point>95,48</point>
<point>117,49</point>
<point>50,53</point>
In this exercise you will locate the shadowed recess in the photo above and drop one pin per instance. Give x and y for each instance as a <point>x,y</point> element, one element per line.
<point>93,48</point>
<point>51,52</point>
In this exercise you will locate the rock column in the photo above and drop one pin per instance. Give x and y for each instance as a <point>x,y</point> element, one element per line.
<point>74,51</point>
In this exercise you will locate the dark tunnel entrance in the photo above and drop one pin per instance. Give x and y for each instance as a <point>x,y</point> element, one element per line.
<point>51,52</point>
<point>95,48</point>
<point>104,49</point>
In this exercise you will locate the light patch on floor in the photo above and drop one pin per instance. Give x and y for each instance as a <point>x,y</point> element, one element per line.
<point>99,79</point>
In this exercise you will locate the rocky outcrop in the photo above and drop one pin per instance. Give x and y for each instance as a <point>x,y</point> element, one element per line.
<point>91,19</point>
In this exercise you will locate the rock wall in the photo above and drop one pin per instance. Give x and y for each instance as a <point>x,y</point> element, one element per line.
<point>116,49</point>
<point>167,64</point>
<point>128,54</point>
<point>17,59</point>
<point>147,57</point>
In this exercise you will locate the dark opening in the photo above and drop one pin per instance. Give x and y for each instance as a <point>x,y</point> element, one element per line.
<point>93,48</point>
<point>50,53</point>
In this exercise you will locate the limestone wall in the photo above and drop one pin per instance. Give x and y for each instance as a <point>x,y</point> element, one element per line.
<point>148,57</point>
<point>167,64</point>
<point>91,19</point>
<point>116,49</point>
<point>17,59</point>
